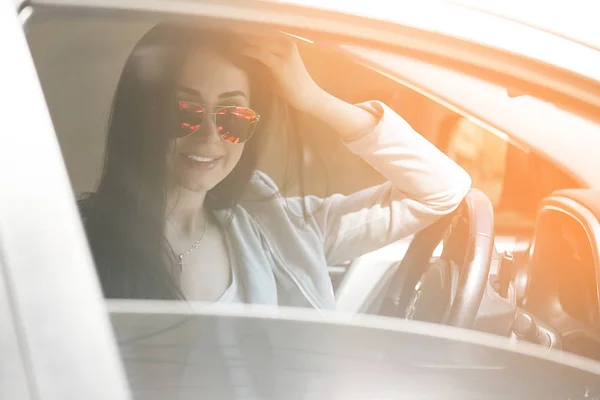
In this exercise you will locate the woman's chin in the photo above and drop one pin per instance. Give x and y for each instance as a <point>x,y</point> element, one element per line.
<point>200,177</point>
<point>198,185</point>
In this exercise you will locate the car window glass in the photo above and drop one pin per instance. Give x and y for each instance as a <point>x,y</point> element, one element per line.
<point>482,155</point>
<point>498,168</point>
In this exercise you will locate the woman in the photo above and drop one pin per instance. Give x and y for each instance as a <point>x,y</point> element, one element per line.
<point>182,213</point>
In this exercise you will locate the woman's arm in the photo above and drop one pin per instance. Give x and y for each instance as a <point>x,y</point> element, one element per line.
<point>424,184</point>
<point>348,120</point>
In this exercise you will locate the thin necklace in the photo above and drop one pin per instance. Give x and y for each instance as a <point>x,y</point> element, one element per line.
<point>194,246</point>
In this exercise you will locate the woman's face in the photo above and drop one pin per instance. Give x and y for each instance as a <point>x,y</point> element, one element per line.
<point>202,160</point>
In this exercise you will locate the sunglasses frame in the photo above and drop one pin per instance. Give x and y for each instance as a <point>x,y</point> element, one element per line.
<point>216,108</point>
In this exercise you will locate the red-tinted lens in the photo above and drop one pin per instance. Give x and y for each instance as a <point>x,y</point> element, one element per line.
<point>190,116</point>
<point>236,124</point>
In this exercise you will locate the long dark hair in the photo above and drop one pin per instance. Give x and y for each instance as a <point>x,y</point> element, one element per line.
<point>125,217</point>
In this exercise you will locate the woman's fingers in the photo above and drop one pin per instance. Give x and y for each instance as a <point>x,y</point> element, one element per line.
<point>283,59</point>
<point>266,57</point>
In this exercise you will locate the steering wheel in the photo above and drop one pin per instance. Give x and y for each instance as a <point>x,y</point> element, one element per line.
<point>450,289</point>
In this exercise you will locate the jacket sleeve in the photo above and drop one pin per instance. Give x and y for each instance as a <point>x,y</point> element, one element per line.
<point>423,185</point>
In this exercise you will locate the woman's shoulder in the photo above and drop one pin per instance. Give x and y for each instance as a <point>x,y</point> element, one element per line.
<point>263,183</point>
<point>263,195</point>
<point>261,188</point>
<point>264,200</point>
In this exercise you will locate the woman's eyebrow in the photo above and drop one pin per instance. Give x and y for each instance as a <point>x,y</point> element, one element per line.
<point>232,94</point>
<point>195,93</point>
<point>190,91</point>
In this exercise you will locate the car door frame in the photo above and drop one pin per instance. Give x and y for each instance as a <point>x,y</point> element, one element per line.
<point>523,57</point>
<point>64,343</point>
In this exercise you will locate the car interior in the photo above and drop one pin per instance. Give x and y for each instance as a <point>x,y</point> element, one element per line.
<point>541,283</point>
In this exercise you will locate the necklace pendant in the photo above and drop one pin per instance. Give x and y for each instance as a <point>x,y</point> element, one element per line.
<point>181,261</point>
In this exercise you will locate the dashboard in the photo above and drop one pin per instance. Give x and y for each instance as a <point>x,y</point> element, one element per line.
<point>562,276</point>
<point>574,273</point>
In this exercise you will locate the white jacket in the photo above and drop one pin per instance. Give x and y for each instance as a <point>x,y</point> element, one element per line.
<point>283,259</point>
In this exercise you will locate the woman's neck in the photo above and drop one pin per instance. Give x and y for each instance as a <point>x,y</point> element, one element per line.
<point>185,211</point>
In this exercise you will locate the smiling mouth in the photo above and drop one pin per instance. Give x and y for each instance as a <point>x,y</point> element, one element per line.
<point>202,158</point>
<point>200,162</point>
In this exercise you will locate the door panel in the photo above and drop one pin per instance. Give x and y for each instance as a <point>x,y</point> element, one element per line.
<point>63,328</point>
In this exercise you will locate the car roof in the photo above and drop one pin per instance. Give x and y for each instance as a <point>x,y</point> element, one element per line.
<point>568,140</point>
<point>521,35</point>
<point>437,16</point>
<point>573,19</point>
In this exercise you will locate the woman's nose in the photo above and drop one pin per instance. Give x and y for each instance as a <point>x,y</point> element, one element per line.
<point>208,131</point>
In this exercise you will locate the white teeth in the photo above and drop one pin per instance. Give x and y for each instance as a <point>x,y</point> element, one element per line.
<point>201,159</point>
